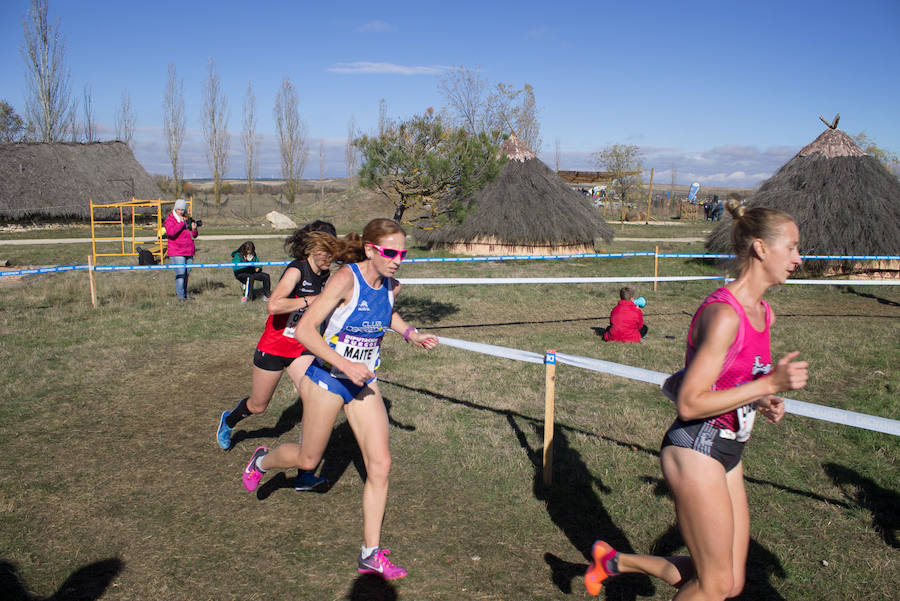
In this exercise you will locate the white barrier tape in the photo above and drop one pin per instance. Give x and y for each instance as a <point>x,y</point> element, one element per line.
<point>846,282</point>
<point>820,412</point>
<point>843,417</point>
<point>598,280</point>
<point>495,351</point>
<point>616,369</point>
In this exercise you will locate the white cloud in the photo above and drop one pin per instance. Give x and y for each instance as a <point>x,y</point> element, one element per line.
<point>384,68</point>
<point>377,26</point>
<point>727,165</point>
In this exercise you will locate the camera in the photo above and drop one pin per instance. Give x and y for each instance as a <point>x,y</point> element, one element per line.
<point>190,221</point>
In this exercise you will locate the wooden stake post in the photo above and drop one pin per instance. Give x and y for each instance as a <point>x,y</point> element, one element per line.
<point>655,266</point>
<point>549,387</point>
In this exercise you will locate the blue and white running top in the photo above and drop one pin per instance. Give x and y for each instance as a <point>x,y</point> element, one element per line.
<point>356,329</point>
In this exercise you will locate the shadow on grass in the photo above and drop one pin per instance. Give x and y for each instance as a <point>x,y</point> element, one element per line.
<point>372,587</point>
<point>883,301</point>
<point>342,450</point>
<point>85,584</point>
<point>289,418</point>
<point>881,502</point>
<point>575,508</point>
<point>621,443</point>
<point>205,286</point>
<point>762,564</point>
<point>423,310</point>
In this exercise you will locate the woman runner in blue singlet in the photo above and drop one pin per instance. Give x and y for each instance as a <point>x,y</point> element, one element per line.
<point>357,308</point>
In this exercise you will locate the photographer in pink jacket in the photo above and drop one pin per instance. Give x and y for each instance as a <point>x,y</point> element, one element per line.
<point>181,230</point>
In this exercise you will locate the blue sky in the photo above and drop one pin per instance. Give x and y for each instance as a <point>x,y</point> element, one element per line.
<point>724,92</point>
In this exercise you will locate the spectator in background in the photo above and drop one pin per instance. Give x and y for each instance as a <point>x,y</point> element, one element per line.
<point>626,320</point>
<point>718,209</point>
<point>181,231</point>
<point>248,274</point>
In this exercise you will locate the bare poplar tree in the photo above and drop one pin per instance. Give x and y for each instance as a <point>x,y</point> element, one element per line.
<point>174,122</point>
<point>49,99</point>
<point>556,152</point>
<point>291,138</point>
<point>88,106</point>
<point>625,162</point>
<point>528,126</point>
<point>72,125</point>
<point>12,128</point>
<point>496,111</point>
<point>382,116</point>
<point>250,141</point>
<point>351,151</point>
<point>215,129</point>
<point>125,121</point>
<point>322,168</point>
<point>464,90</point>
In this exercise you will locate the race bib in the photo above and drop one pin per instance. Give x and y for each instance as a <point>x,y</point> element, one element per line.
<point>746,415</point>
<point>357,349</point>
<point>293,320</point>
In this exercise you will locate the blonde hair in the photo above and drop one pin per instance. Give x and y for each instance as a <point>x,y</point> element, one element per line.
<point>750,224</point>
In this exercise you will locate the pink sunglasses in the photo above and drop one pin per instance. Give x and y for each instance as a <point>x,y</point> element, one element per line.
<point>389,253</point>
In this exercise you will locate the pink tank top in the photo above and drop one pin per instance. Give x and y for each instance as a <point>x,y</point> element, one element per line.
<point>747,359</point>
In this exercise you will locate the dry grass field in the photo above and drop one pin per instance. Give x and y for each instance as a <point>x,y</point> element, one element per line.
<point>112,485</point>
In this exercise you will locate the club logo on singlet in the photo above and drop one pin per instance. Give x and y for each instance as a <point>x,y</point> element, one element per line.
<point>759,368</point>
<point>363,306</point>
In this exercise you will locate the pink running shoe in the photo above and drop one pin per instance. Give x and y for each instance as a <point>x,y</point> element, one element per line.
<point>597,572</point>
<point>378,563</point>
<point>253,474</point>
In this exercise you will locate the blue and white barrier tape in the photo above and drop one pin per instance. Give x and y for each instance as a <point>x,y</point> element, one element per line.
<point>820,412</point>
<point>586,280</point>
<point>452,281</point>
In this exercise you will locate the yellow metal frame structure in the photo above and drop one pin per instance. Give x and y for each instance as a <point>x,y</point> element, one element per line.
<point>129,211</point>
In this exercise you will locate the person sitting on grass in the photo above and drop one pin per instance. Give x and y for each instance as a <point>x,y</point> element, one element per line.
<point>626,320</point>
<point>248,274</point>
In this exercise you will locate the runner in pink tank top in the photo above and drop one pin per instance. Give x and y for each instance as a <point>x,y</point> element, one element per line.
<point>728,377</point>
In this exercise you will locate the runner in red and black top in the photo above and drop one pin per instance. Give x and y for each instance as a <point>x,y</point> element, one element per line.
<point>312,247</point>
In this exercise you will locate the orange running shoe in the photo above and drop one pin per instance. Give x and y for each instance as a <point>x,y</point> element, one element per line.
<point>596,573</point>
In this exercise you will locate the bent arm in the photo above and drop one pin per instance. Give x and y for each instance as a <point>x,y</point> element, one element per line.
<point>399,325</point>
<point>173,227</point>
<point>280,301</point>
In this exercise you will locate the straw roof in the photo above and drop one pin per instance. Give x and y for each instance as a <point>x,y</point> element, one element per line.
<point>60,179</point>
<point>527,205</point>
<point>844,201</point>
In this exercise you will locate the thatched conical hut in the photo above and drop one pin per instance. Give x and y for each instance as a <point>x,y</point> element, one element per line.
<point>844,201</point>
<point>526,210</point>
<point>60,179</point>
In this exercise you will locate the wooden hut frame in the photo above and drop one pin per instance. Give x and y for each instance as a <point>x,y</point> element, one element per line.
<point>130,220</point>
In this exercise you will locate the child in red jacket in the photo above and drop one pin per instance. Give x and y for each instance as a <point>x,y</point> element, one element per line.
<point>626,321</point>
